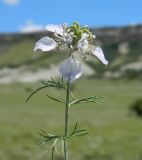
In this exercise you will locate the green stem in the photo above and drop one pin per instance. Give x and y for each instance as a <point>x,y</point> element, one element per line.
<point>66,119</point>
<point>53,153</point>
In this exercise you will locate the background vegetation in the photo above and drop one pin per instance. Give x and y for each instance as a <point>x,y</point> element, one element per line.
<point>114,133</point>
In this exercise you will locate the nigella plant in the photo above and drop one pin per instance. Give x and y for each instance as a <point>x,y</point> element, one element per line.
<point>78,40</point>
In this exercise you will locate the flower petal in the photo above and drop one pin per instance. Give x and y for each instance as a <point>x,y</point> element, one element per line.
<point>55,28</point>
<point>45,44</point>
<point>71,69</point>
<point>94,36</point>
<point>97,51</point>
<point>68,38</point>
<point>85,36</point>
<point>83,45</point>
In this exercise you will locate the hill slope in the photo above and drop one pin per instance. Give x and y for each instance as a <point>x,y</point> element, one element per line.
<point>122,47</point>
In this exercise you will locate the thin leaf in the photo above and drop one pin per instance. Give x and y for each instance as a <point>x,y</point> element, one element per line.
<point>53,83</point>
<point>83,134</point>
<point>62,80</point>
<point>42,143</point>
<point>72,96</point>
<point>62,99</point>
<point>75,127</point>
<point>81,130</point>
<point>51,135</point>
<point>94,99</point>
<point>55,99</point>
<point>42,130</point>
<point>43,135</point>
<point>37,90</point>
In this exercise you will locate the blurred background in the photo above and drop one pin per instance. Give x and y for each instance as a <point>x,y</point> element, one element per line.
<point>115,125</point>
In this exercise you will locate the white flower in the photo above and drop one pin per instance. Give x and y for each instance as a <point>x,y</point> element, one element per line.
<point>67,38</point>
<point>78,39</point>
<point>83,45</point>
<point>85,36</point>
<point>94,36</point>
<point>58,29</point>
<point>45,44</point>
<point>97,51</point>
<point>71,69</point>
<point>85,49</point>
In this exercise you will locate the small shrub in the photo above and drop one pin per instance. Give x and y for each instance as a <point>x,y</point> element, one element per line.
<point>136,107</point>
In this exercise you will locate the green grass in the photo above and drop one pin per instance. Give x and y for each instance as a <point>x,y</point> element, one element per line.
<point>114,133</point>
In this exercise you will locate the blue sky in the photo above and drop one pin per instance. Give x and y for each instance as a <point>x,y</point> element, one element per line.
<point>16,15</point>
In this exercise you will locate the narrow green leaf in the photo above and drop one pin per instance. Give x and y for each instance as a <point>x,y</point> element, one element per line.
<point>74,130</point>
<point>81,130</point>
<point>43,135</point>
<point>53,83</point>
<point>55,99</point>
<point>62,80</point>
<point>47,136</point>
<point>42,130</point>
<point>75,127</point>
<point>42,143</point>
<point>83,134</point>
<point>37,90</point>
<point>94,99</point>
<point>62,99</point>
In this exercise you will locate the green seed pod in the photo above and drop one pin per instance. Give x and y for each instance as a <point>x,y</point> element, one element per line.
<point>74,36</point>
<point>75,40</point>
<point>75,29</point>
<point>80,34</point>
<point>85,30</point>
<point>77,25</point>
<point>85,27</point>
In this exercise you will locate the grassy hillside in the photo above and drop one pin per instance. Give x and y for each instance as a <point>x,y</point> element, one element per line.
<point>114,133</point>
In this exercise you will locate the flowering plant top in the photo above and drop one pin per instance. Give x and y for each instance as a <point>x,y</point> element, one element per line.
<point>79,40</point>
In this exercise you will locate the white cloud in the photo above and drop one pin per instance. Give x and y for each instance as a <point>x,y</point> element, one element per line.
<point>11,2</point>
<point>30,27</point>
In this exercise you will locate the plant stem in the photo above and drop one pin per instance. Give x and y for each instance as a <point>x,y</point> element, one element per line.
<point>53,153</point>
<point>66,118</point>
